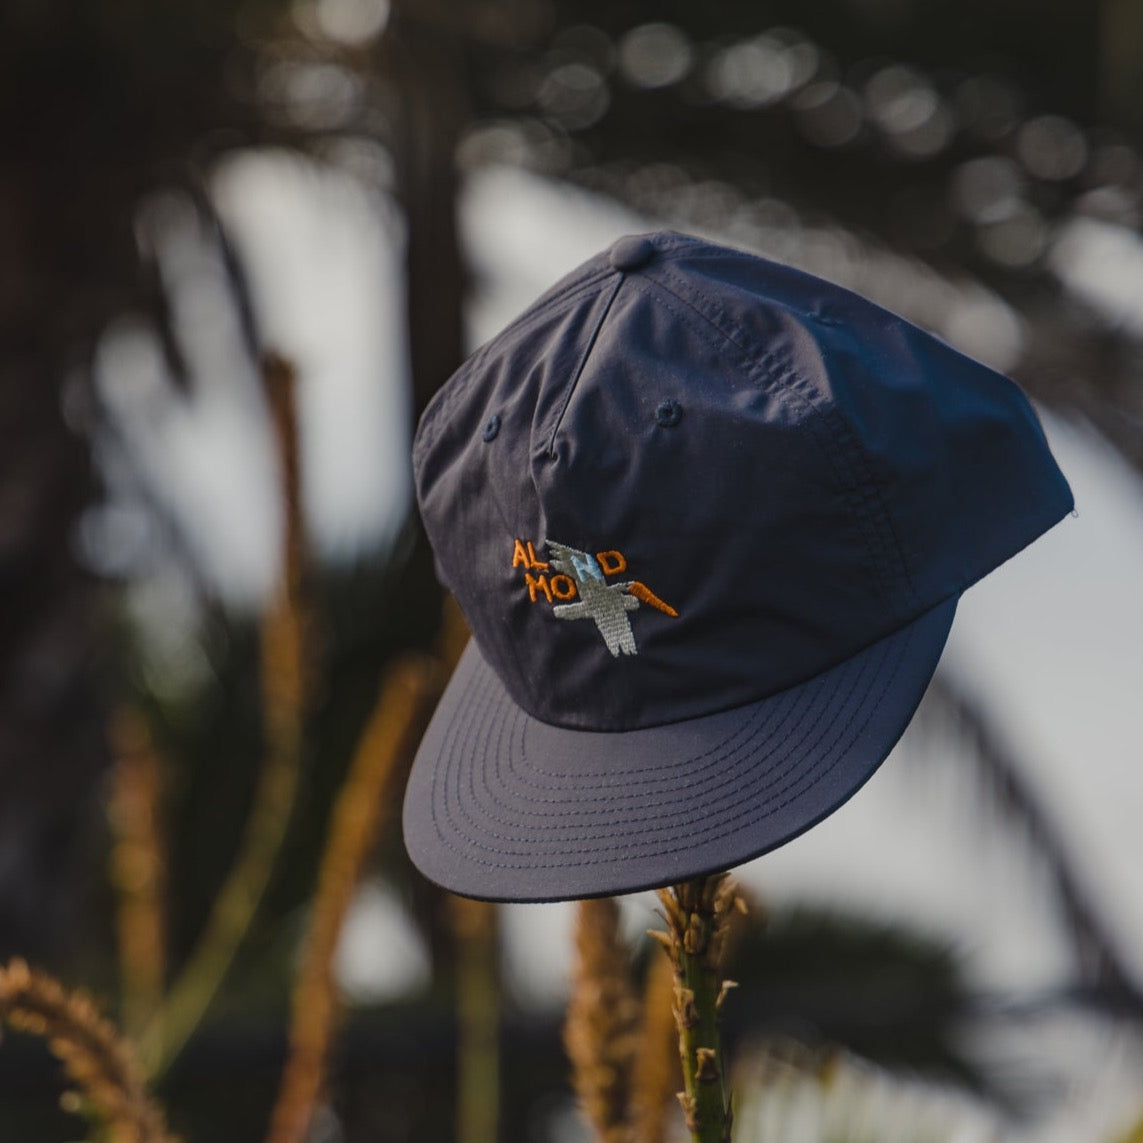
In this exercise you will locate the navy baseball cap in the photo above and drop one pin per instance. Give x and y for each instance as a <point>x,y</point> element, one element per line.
<point>708,518</point>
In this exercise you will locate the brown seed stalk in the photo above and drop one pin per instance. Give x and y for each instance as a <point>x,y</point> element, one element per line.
<point>476,927</point>
<point>96,1059</point>
<point>137,866</point>
<point>657,1075</point>
<point>601,1033</point>
<point>407,693</point>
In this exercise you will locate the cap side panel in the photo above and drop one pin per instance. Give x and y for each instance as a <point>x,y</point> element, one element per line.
<point>476,495</point>
<point>1004,488</point>
<point>807,623</point>
<point>946,405</point>
<point>772,372</point>
<point>778,366</point>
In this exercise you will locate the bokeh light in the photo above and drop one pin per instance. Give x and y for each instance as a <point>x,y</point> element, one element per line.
<point>915,121</point>
<point>828,113</point>
<point>353,23</point>
<point>1051,147</point>
<point>762,70</point>
<point>988,190</point>
<point>574,94</point>
<point>655,55</point>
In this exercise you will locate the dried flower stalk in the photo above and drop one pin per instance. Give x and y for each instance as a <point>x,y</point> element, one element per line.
<point>97,1060</point>
<point>284,635</point>
<point>698,914</point>
<point>602,1029</point>
<point>403,705</point>
<point>454,635</point>
<point>1134,1133</point>
<point>477,932</point>
<point>657,1075</point>
<point>137,866</point>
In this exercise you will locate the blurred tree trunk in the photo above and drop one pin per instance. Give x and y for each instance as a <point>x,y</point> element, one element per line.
<point>1121,63</point>
<point>95,99</point>
<point>50,713</point>
<point>423,58</point>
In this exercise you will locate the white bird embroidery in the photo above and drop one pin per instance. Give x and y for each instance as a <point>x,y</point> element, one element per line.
<point>606,603</point>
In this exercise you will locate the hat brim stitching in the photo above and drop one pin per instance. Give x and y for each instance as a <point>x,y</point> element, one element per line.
<point>866,677</point>
<point>760,739</point>
<point>695,764</point>
<point>742,740</point>
<point>533,857</point>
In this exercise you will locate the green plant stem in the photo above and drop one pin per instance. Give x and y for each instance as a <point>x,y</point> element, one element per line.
<point>231,917</point>
<point>699,1050</point>
<point>696,913</point>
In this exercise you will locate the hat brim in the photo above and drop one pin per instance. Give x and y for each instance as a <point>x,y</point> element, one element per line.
<point>503,807</point>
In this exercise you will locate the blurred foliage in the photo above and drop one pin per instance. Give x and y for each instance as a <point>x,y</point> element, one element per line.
<point>789,1093</point>
<point>821,978</point>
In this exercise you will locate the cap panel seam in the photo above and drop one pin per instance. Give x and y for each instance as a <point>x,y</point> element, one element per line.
<point>513,530</point>
<point>457,385</point>
<point>880,537</point>
<point>816,428</point>
<point>549,447</point>
<point>434,416</point>
<point>870,503</point>
<point>670,241</point>
<point>435,419</point>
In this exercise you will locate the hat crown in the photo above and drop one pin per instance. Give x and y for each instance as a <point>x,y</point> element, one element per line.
<point>713,477</point>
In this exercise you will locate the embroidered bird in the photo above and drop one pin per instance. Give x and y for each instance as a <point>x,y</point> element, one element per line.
<point>605,603</point>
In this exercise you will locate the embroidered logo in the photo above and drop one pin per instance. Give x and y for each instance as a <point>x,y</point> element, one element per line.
<point>578,589</point>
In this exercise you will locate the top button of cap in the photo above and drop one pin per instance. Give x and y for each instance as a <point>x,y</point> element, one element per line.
<point>632,252</point>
